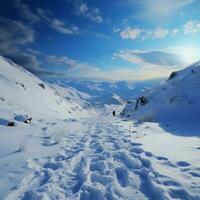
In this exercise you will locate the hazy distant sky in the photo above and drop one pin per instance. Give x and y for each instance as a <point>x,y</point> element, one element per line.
<point>102,39</point>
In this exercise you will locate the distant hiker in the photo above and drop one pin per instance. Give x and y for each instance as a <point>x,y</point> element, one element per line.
<point>136,105</point>
<point>114,113</point>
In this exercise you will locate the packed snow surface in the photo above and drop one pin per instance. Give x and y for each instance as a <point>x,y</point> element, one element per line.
<point>101,157</point>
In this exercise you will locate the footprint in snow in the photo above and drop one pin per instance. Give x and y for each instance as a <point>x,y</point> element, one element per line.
<point>122,176</point>
<point>162,158</point>
<point>129,162</point>
<point>44,128</point>
<point>53,166</point>
<point>183,164</point>
<point>148,154</point>
<point>136,144</point>
<point>195,174</point>
<point>104,180</point>
<point>137,150</point>
<point>97,166</point>
<point>170,183</point>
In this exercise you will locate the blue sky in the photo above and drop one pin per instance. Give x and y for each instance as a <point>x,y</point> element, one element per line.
<point>101,40</point>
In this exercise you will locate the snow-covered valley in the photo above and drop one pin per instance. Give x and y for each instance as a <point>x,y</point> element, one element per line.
<point>75,149</point>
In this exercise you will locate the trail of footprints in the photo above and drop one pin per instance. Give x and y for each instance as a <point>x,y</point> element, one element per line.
<point>102,164</point>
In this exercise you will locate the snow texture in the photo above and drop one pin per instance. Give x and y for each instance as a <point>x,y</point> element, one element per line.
<point>75,149</point>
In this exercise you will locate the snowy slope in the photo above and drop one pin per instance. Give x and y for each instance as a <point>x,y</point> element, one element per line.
<point>24,93</point>
<point>178,99</point>
<point>71,152</point>
<point>97,159</point>
<point>71,94</point>
<point>165,121</point>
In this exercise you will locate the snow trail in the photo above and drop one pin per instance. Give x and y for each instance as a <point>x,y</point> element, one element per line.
<point>99,163</point>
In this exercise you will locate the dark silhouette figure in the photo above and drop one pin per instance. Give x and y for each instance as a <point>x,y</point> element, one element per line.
<point>114,113</point>
<point>136,105</point>
<point>142,100</point>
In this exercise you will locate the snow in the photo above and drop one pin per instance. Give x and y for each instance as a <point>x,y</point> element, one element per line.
<point>76,149</point>
<point>104,93</point>
<point>176,100</point>
<point>22,94</point>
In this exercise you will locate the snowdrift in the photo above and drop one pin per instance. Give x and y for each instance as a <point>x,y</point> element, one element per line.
<point>177,99</point>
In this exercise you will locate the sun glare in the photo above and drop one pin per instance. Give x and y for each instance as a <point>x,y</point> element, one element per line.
<point>189,54</point>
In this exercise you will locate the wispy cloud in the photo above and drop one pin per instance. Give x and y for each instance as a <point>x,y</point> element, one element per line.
<point>26,11</point>
<point>15,32</point>
<point>66,61</point>
<point>156,9</point>
<point>151,63</point>
<point>146,65</point>
<point>83,9</point>
<point>160,33</point>
<point>151,58</point>
<point>138,33</point>
<point>61,27</point>
<point>40,14</point>
<point>15,36</point>
<point>192,27</point>
<point>130,33</point>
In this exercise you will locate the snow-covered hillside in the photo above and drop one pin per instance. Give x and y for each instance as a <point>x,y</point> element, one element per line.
<point>165,120</point>
<point>71,94</point>
<point>23,96</point>
<point>178,99</point>
<point>22,93</point>
<point>73,150</point>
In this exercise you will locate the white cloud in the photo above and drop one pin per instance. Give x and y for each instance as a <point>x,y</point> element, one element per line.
<point>151,63</point>
<point>146,65</point>
<point>13,34</point>
<point>191,27</point>
<point>41,14</point>
<point>61,27</point>
<point>83,8</point>
<point>44,14</point>
<point>138,33</point>
<point>130,33</point>
<point>94,15</point>
<point>152,58</point>
<point>160,33</point>
<point>88,12</point>
<point>64,60</point>
<point>174,32</point>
